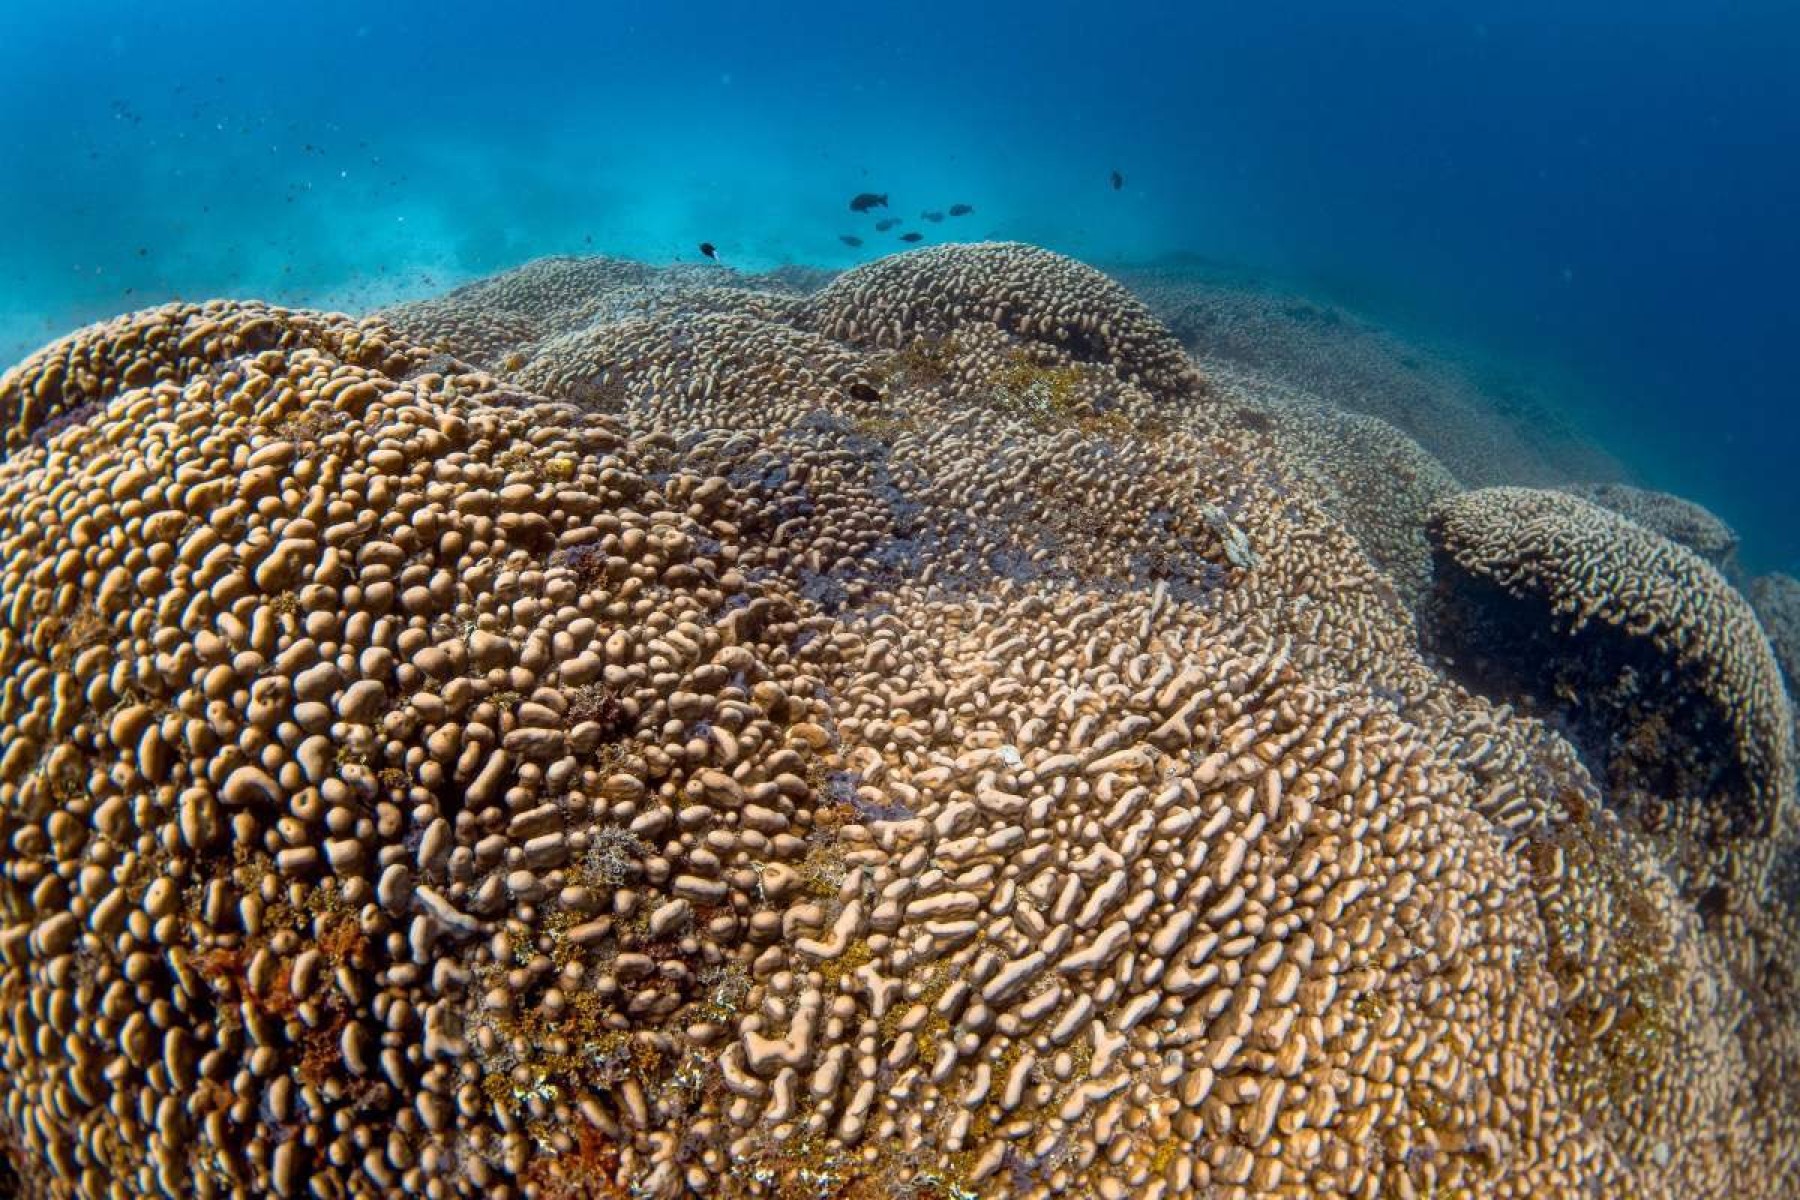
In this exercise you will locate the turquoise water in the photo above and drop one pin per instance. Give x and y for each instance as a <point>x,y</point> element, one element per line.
<point>1599,201</point>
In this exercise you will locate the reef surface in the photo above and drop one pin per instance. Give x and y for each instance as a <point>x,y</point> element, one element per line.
<point>615,731</point>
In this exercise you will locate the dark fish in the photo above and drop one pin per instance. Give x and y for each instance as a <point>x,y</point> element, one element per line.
<point>1118,181</point>
<point>886,223</point>
<point>711,251</point>
<point>912,237</point>
<point>933,217</point>
<point>849,239</point>
<point>864,201</point>
<point>864,392</point>
<point>961,210</point>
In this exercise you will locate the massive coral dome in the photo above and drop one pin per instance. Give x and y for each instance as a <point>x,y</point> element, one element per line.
<point>1648,634</point>
<point>909,739</point>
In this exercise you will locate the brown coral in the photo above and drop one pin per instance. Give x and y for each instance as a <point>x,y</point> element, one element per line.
<point>74,375</point>
<point>1644,637</point>
<point>1022,290</point>
<point>1776,598</point>
<point>1484,430</point>
<point>496,322</point>
<point>1673,517</point>
<point>415,786</point>
<point>1371,476</point>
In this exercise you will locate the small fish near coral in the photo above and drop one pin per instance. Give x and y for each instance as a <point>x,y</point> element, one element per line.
<point>709,250</point>
<point>961,210</point>
<point>849,239</point>
<point>886,223</point>
<point>864,201</point>
<point>933,217</point>
<point>915,236</point>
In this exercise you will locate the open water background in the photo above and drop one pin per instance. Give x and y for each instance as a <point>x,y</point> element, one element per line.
<point>1599,198</point>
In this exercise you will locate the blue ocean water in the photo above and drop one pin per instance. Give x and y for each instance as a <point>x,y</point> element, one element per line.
<point>1599,196</point>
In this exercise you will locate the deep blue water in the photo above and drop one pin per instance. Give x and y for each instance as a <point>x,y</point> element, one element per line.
<point>1607,195</point>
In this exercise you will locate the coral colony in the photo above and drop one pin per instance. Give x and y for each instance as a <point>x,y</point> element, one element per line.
<point>627,732</point>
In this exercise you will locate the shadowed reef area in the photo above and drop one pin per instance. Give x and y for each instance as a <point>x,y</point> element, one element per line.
<point>955,728</point>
